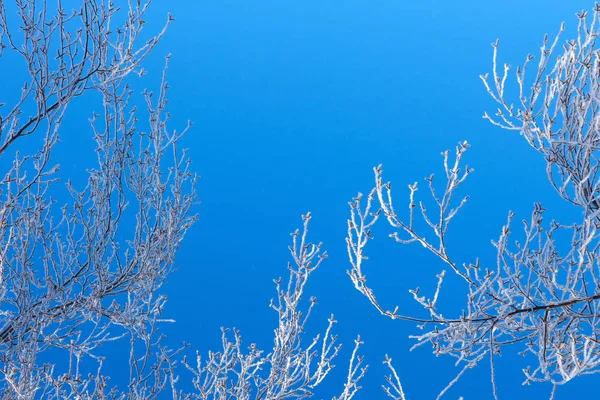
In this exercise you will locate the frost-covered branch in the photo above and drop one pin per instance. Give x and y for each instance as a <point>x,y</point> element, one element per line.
<point>292,369</point>
<point>542,295</point>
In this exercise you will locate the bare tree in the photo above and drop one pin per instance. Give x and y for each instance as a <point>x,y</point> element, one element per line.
<point>537,298</point>
<point>68,282</point>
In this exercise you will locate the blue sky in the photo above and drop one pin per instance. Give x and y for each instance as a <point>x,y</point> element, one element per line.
<point>293,104</point>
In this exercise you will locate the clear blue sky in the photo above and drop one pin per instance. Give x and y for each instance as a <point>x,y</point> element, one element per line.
<point>293,105</point>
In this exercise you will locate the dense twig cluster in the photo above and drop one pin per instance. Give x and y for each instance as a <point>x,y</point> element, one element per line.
<point>291,369</point>
<point>67,280</point>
